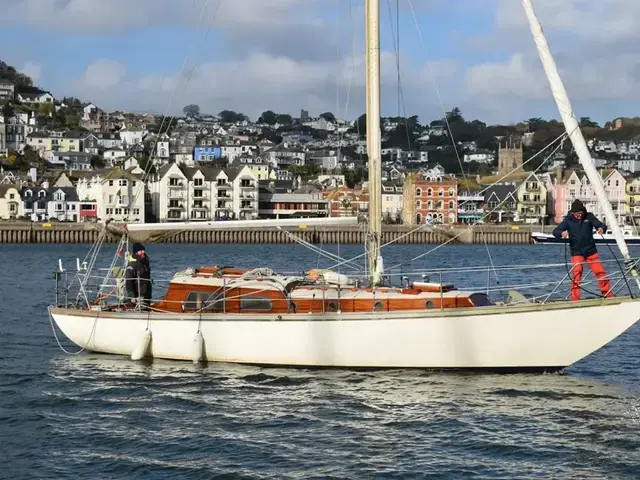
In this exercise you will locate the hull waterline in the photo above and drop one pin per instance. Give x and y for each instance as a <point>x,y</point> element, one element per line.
<point>531,337</point>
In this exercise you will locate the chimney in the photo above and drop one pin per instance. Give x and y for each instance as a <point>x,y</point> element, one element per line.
<point>33,174</point>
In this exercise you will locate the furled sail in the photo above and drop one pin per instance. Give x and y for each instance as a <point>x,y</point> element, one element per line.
<point>156,231</point>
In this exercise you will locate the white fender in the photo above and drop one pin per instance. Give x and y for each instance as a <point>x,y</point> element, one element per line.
<point>197,349</point>
<point>141,348</point>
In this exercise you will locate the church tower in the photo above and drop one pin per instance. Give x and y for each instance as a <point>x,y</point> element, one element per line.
<point>510,156</point>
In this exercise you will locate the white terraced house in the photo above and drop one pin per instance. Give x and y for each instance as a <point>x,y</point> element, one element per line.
<point>182,193</point>
<point>119,195</point>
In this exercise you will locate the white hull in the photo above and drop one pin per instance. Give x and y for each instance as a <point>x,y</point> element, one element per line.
<point>549,336</point>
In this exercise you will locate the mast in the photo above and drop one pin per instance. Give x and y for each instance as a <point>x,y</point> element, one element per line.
<point>573,130</point>
<point>374,138</point>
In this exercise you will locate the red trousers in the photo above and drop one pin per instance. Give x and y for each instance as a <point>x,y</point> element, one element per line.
<point>577,262</point>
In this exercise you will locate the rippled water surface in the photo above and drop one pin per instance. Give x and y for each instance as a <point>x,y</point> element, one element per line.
<point>98,416</point>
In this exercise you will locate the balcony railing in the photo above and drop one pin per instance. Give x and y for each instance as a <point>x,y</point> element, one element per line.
<point>175,194</point>
<point>225,186</point>
<point>175,206</point>
<point>248,185</point>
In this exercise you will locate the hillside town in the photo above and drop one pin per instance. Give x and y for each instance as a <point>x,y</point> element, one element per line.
<point>70,161</point>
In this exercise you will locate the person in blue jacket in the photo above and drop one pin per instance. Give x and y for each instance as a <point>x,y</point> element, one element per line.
<point>578,227</point>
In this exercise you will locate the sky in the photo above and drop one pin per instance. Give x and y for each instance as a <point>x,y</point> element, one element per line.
<point>287,55</point>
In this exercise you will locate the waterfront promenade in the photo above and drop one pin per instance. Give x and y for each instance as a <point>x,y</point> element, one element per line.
<point>27,232</point>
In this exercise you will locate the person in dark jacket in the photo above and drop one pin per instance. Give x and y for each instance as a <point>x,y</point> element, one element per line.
<point>578,227</point>
<point>138,277</point>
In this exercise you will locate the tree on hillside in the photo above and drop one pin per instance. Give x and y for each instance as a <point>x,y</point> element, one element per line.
<point>328,116</point>
<point>269,117</point>
<point>8,111</point>
<point>97,161</point>
<point>23,83</point>
<point>270,135</point>
<point>229,116</point>
<point>191,110</point>
<point>284,119</point>
<point>361,125</point>
<point>401,137</point>
<point>587,122</point>
<point>72,102</point>
<point>455,115</point>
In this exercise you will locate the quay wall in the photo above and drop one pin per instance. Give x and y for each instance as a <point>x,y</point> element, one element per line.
<point>15,233</point>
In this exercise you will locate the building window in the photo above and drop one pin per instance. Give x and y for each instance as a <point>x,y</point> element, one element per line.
<point>430,205</point>
<point>429,192</point>
<point>451,205</point>
<point>118,211</point>
<point>197,182</point>
<point>123,183</point>
<point>418,204</point>
<point>441,192</point>
<point>111,183</point>
<point>418,192</point>
<point>59,207</point>
<point>452,192</point>
<point>440,204</point>
<point>12,196</point>
<point>136,211</point>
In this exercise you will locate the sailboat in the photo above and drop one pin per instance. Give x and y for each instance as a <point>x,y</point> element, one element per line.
<point>323,318</point>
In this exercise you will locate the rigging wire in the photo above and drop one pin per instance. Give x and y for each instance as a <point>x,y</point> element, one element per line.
<point>173,95</point>
<point>397,239</point>
<point>448,124</point>
<point>395,35</point>
<point>486,215</point>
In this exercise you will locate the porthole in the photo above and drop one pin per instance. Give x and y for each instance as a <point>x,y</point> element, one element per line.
<point>292,307</point>
<point>333,307</point>
<point>377,306</point>
<point>429,304</point>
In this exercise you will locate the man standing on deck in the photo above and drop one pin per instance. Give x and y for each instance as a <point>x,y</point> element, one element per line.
<point>578,227</point>
<point>138,277</point>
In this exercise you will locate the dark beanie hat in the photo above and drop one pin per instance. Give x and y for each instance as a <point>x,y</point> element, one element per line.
<point>577,206</point>
<point>137,247</point>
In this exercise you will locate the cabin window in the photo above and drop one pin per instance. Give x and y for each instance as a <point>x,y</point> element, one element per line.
<point>262,304</point>
<point>333,306</point>
<point>377,306</point>
<point>429,304</point>
<point>204,301</point>
<point>480,300</point>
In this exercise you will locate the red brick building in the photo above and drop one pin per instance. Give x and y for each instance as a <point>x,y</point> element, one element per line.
<point>347,202</point>
<point>435,200</point>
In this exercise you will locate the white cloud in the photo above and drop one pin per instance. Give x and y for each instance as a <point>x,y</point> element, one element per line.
<point>103,74</point>
<point>91,15</point>
<point>281,54</point>
<point>33,70</point>
<point>252,85</point>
